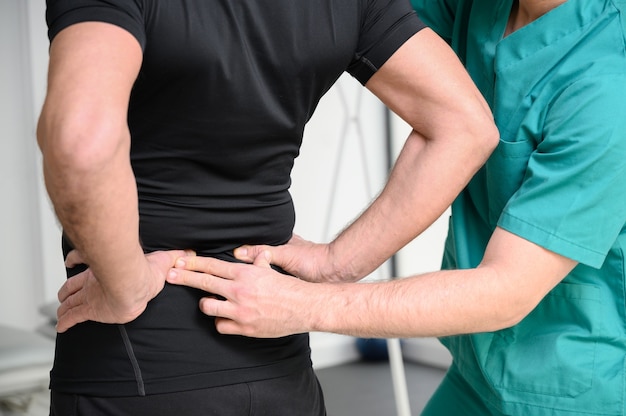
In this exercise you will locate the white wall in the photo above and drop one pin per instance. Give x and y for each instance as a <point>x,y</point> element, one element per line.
<point>341,168</point>
<point>22,271</point>
<point>52,268</point>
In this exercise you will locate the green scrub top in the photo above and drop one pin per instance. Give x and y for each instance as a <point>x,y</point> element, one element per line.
<point>557,88</point>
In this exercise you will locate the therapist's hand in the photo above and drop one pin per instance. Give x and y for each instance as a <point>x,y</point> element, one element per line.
<point>308,261</point>
<point>258,301</point>
<point>84,298</point>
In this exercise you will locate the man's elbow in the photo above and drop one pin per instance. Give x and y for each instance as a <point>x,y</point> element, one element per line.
<point>82,145</point>
<point>484,138</point>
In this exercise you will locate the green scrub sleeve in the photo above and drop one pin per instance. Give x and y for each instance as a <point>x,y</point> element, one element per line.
<point>573,196</point>
<point>438,15</point>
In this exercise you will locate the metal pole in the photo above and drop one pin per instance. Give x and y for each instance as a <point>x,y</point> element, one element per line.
<point>400,390</point>
<point>398,377</point>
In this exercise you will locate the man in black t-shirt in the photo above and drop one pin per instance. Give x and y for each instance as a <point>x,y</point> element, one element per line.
<point>175,125</point>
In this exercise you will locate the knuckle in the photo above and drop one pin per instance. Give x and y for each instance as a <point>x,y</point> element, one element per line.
<point>190,262</point>
<point>222,326</point>
<point>205,282</point>
<point>207,307</point>
<point>238,292</point>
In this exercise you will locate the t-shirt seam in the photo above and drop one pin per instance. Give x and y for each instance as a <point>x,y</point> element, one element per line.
<point>141,389</point>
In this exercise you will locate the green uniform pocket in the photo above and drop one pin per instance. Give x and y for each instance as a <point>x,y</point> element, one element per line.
<point>552,351</point>
<point>505,172</point>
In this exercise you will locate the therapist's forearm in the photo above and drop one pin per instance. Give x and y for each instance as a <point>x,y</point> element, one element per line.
<point>430,305</point>
<point>499,293</point>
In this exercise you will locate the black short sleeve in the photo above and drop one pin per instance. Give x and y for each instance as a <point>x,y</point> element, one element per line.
<point>125,14</point>
<point>388,24</point>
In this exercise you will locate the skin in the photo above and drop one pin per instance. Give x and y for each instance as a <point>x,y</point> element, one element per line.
<point>524,12</point>
<point>497,294</point>
<point>85,143</point>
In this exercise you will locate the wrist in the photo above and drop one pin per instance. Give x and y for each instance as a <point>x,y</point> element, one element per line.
<point>131,286</point>
<point>340,267</point>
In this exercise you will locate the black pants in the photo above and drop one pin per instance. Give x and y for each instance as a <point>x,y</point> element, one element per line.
<point>298,394</point>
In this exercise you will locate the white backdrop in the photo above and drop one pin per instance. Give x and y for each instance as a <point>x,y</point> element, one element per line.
<point>28,275</point>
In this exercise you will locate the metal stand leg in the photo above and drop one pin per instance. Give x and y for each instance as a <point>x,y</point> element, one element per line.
<point>398,377</point>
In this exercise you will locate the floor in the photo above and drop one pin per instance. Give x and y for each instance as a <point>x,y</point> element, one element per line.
<point>354,389</point>
<point>366,388</point>
<point>35,405</point>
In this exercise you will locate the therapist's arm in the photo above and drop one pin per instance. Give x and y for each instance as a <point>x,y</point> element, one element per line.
<point>510,281</point>
<point>85,142</point>
<point>453,135</point>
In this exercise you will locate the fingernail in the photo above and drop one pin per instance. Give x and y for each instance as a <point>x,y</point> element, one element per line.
<point>180,263</point>
<point>242,251</point>
<point>172,275</point>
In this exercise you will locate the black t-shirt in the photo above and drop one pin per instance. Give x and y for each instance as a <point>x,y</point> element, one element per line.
<point>216,116</point>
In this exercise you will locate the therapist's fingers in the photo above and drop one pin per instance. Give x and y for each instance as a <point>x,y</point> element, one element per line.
<point>223,309</point>
<point>231,319</point>
<point>209,265</point>
<point>199,280</point>
<point>211,275</point>
<point>249,253</point>
<point>228,326</point>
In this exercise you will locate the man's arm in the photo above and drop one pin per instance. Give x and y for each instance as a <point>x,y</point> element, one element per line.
<point>453,135</point>
<point>84,138</point>
<point>513,277</point>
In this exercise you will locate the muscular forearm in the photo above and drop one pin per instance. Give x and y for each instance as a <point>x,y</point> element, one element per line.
<point>497,294</point>
<point>441,304</point>
<point>425,180</point>
<point>94,195</point>
<point>413,307</point>
<point>85,142</point>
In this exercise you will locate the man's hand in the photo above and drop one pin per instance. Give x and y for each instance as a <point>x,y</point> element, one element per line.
<point>84,298</point>
<point>308,261</point>
<point>259,302</point>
